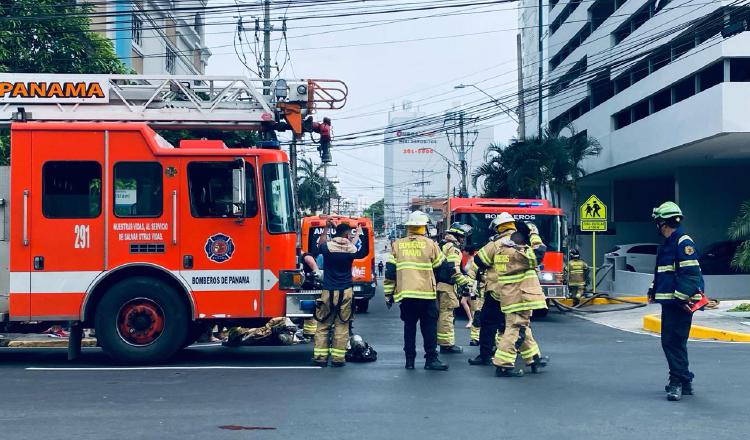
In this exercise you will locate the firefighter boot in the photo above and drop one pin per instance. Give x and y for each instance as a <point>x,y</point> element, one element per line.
<point>674,391</point>
<point>687,388</point>
<point>409,363</point>
<point>451,349</point>
<point>480,360</point>
<point>539,363</point>
<point>433,363</point>
<point>508,372</point>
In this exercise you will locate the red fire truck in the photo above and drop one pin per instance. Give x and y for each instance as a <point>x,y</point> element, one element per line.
<point>550,221</point>
<point>114,228</point>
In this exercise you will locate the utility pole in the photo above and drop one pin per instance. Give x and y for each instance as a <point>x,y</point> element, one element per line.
<point>448,192</point>
<point>541,61</point>
<point>267,47</point>
<point>462,156</point>
<point>521,105</point>
<point>423,183</point>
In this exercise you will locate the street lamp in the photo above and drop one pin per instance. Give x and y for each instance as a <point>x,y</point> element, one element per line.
<point>504,107</point>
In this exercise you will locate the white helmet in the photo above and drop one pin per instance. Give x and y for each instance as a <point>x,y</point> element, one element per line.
<point>417,218</point>
<point>501,219</point>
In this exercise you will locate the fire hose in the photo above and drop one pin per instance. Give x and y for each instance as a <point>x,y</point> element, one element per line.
<point>577,308</point>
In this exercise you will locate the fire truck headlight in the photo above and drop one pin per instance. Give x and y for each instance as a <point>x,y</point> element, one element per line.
<point>547,277</point>
<point>290,279</point>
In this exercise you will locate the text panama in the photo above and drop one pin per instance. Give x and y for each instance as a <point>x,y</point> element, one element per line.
<point>220,280</point>
<point>43,89</point>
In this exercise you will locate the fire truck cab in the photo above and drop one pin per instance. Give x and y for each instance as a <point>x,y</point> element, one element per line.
<point>550,221</point>
<point>363,270</point>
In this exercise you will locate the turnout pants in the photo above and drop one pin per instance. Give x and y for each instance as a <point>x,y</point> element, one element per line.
<point>447,302</point>
<point>309,327</point>
<point>424,311</point>
<point>492,321</point>
<point>517,339</point>
<point>333,312</point>
<point>675,329</point>
<point>476,307</point>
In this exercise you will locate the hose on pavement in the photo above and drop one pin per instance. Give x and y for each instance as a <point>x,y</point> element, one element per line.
<point>577,308</point>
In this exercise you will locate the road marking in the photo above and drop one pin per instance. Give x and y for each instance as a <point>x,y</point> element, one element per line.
<point>208,367</point>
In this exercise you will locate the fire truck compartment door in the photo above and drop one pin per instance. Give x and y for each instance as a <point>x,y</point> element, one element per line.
<point>66,209</point>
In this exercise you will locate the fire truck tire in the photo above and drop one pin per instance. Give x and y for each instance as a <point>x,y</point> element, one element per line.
<point>141,320</point>
<point>362,305</point>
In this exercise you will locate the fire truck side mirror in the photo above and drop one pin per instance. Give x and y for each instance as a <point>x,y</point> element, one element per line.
<point>238,191</point>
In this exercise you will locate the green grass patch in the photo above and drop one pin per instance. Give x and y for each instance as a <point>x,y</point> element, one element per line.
<point>744,307</point>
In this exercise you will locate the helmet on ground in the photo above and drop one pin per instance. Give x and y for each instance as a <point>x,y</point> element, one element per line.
<point>667,210</point>
<point>459,229</point>
<point>417,218</point>
<point>501,219</point>
<point>574,253</point>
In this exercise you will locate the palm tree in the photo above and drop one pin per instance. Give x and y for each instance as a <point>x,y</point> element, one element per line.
<point>494,173</point>
<point>314,190</point>
<point>740,230</point>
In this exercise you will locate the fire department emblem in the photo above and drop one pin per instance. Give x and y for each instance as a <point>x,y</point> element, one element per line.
<point>219,248</point>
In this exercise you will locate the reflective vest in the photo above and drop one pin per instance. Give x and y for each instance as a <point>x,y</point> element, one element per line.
<point>515,282</point>
<point>577,273</point>
<point>452,254</point>
<point>678,274</point>
<point>412,262</point>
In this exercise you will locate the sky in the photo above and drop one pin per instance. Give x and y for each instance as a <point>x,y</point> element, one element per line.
<point>382,71</point>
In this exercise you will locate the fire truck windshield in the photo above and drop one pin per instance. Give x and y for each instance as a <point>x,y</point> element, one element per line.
<point>548,225</point>
<point>279,201</point>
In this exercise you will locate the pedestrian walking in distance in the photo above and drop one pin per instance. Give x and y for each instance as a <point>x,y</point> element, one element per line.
<point>411,274</point>
<point>333,310</point>
<point>678,282</point>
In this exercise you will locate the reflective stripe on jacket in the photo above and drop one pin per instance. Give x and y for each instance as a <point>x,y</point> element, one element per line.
<point>677,276</point>
<point>453,255</point>
<point>577,272</point>
<point>410,268</point>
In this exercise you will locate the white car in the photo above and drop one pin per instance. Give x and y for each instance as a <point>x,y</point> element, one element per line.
<point>639,257</point>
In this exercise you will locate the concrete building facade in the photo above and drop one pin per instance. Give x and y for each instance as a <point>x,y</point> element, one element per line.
<point>417,149</point>
<point>663,85</point>
<point>156,36</point>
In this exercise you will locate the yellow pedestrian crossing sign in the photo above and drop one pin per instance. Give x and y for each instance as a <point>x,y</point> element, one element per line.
<point>593,215</point>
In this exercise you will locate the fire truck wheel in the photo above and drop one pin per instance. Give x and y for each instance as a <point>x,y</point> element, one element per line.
<point>362,305</point>
<point>141,320</point>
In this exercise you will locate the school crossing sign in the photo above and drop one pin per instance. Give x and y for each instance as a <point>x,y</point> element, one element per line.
<point>593,215</point>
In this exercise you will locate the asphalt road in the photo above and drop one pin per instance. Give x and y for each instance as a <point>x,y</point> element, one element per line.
<point>601,383</point>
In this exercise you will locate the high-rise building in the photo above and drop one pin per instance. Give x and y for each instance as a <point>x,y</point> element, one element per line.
<point>417,151</point>
<point>663,85</point>
<point>155,36</point>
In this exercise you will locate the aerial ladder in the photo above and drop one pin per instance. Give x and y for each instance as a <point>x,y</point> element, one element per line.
<point>169,101</point>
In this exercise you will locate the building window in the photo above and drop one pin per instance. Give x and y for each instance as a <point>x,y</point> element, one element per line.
<point>739,70</point>
<point>170,60</point>
<point>641,110</point>
<point>711,76</point>
<point>571,75</point>
<point>138,189</point>
<point>662,100</point>
<point>684,89</point>
<point>635,21</point>
<point>72,189</point>
<point>136,29</point>
<point>622,119</point>
<point>564,14</point>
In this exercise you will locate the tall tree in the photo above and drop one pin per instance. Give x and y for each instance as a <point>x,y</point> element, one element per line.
<point>53,36</point>
<point>50,36</point>
<point>376,213</point>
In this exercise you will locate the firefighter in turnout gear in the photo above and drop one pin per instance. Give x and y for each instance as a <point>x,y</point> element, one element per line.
<point>448,293</point>
<point>412,271</point>
<point>517,285</point>
<point>492,320</point>
<point>333,309</point>
<point>578,275</point>
<point>678,282</point>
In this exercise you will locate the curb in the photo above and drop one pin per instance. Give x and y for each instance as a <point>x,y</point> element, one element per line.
<point>652,323</point>
<point>51,343</point>
<point>606,301</point>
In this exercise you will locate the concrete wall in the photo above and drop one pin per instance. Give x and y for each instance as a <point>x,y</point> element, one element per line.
<point>710,197</point>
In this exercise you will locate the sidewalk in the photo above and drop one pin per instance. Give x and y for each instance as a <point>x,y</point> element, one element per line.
<point>18,340</point>
<point>712,324</point>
